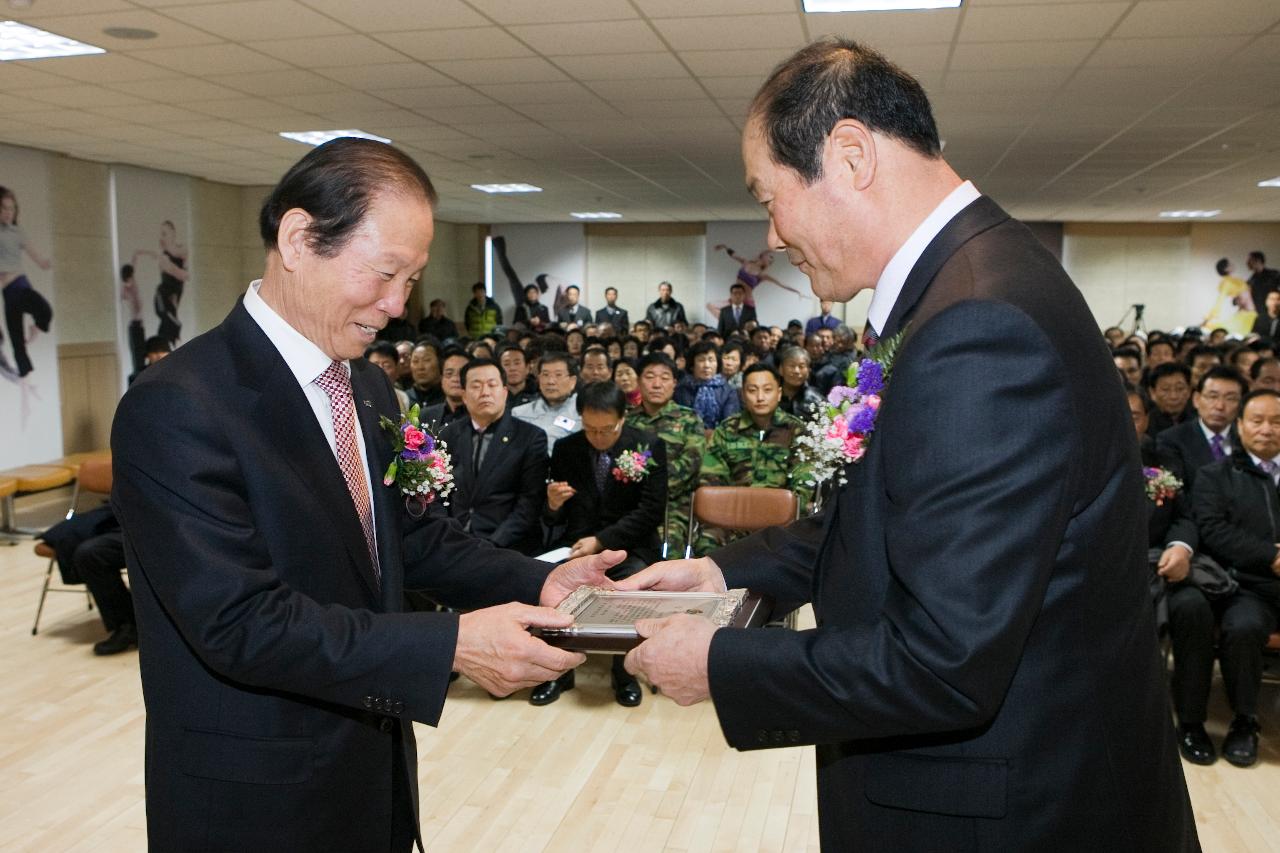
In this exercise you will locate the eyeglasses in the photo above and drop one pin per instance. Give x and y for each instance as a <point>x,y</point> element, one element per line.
<point>603,432</point>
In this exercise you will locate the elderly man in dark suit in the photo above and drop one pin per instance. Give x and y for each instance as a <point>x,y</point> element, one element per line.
<point>268,560</point>
<point>499,464</point>
<point>1208,437</point>
<point>595,500</point>
<point>984,675</point>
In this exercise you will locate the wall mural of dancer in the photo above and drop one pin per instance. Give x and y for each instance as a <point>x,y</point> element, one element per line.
<point>537,264</point>
<point>152,215</point>
<point>30,423</point>
<point>738,253</point>
<point>752,272</point>
<point>1234,309</point>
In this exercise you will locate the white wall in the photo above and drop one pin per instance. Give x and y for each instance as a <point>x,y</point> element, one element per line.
<point>636,263</point>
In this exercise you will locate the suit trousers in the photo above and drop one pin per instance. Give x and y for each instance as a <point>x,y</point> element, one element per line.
<point>99,562</point>
<point>1245,618</point>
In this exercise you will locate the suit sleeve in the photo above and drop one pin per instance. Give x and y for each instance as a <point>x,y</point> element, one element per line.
<point>182,499</point>
<point>981,446</point>
<point>640,523</point>
<point>532,485</point>
<point>1221,535</point>
<point>559,471</point>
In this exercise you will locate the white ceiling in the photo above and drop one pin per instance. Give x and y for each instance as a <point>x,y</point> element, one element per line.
<point>1080,110</point>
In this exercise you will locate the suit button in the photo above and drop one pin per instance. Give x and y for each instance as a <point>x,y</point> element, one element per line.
<point>385,726</point>
<point>368,703</point>
<point>793,736</point>
<point>762,736</point>
<point>397,707</point>
<point>380,703</point>
<point>777,736</point>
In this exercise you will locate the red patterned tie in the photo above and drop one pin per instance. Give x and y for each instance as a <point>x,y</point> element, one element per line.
<point>869,337</point>
<point>337,385</point>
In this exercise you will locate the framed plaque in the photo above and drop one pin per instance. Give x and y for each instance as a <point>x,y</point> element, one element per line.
<point>604,620</point>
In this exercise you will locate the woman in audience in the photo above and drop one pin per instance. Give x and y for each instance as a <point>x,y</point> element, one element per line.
<point>626,378</point>
<point>631,347</point>
<point>575,341</point>
<point>480,349</point>
<point>704,389</point>
<point>424,364</point>
<point>799,398</point>
<point>731,363</point>
<point>614,347</point>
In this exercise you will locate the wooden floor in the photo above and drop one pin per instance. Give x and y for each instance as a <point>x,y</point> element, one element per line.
<point>581,775</point>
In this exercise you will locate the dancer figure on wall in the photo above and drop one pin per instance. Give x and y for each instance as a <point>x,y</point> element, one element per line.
<point>1233,310</point>
<point>751,272</point>
<point>20,298</point>
<point>172,260</point>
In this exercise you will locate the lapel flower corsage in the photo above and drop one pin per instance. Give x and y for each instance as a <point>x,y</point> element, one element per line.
<point>632,466</point>
<point>421,467</point>
<point>840,433</point>
<point>1161,485</point>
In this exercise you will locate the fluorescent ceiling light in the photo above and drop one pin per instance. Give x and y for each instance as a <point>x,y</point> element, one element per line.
<point>596,214</point>
<point>1189,214</point>
<point>1270,182</point>
<point>18,41</point>
<point>320,137</point>
<point>506,188</point>
<point>877,5</point>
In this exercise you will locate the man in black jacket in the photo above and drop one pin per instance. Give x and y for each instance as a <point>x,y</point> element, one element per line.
<point>1262,281</point>
<point>499,464</point>
<point>735,316</point>
<point>602,503</point>
<point>1237,509</point>
<point>1208,437</point>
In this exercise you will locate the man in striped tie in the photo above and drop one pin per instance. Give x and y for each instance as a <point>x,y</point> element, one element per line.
<point>268,559</point>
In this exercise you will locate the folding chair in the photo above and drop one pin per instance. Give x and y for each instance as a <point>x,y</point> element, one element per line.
<point>94,476</point>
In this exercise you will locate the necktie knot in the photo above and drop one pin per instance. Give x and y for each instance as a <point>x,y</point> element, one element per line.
<point>1215,446</point>
<point>334,381</point>
<point>869,337</point>
<point>1269,467</point>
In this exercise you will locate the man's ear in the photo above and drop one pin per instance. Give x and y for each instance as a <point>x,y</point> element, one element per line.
<point>291,237</point>
<point>852,148</point>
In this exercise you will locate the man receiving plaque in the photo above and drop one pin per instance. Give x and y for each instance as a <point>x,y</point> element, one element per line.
<point>984,674</point>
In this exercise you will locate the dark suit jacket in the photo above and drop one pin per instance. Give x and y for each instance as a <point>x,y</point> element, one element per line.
<point>726,325</point>
<point>627,515</point>
<point>984,675</point>
<point>1267,327</point>
<point>579,314</point>
<point>1237,508</point>
<point>439,416</point>
<point>279,676</point>
<point>1186,450</point>
<point>503,503</point>
<point>535,316</point>
<point>616,318</point>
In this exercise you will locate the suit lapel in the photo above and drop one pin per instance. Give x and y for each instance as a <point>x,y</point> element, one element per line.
<point>460,452</point>
<point>285,415</point>
<point>980,216</point>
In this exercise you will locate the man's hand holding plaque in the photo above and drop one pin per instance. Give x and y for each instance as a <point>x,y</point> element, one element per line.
<point>700,575</point>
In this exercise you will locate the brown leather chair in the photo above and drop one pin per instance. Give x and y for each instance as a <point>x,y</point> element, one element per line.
<point>741,508</point>
<point>94,476</point>
<point>28,480</point>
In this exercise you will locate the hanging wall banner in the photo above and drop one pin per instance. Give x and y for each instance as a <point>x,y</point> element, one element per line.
<point>551,257</point>
<point>738,252</point>
<point>151,222</point>
<point>30,420</point>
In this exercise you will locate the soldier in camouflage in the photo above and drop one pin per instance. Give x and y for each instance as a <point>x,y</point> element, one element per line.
<point>755,447</point>
<point>681,429</point>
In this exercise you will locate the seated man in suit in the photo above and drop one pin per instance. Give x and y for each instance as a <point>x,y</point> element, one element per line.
<point>90,550</point>
<point>439,416</point>
<point>555,412</point>
<point>604,502</point>
<point>1201,359</point>
<point>1169,388</point>
<point>1206,438</point>
<point>737,313</point>
<point>1237,510</point>
<point>499,464</point>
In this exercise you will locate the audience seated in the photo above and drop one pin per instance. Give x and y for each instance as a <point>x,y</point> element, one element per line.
<point>595,365</point>
<point>799,398</point>
<point>438,325</point>
<point>90,550</point>
<point>1201,359</point>
<point>842,352</point>
<point>595,505</point>
<point>555,411</point>
<point>1169,388</point>
<point>1265,373</point>
<point>1129,362</point>
<point>705,389</point>
<point>1237,510</point>
<point>521,386</point>
<point>499,464</point>
<point>383,355</point>
<point>424,368</point>
<point>442,414</point>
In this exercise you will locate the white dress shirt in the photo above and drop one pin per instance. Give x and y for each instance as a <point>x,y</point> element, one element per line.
<point>306,361</point>
<point>1257,460</point>
<point>899,267</point>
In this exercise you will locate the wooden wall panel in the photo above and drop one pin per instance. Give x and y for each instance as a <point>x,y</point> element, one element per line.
<point>89,376</point>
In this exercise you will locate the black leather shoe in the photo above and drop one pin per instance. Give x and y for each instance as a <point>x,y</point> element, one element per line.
<point>121,640</point>
<point>1194,744</point>
<point>1240,746</point>
<point>627,691</point>
<point>549,691</point>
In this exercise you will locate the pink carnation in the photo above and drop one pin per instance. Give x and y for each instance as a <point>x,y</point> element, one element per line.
<point>413,437</point>
<point>837,430</point>
<point>873,400</point>
<point>853,446</point>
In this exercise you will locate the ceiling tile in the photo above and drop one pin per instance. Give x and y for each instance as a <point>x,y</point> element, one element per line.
<point>1164,52</point>
<point>683,8</point>
<point>605,66</point>
<point>236,108</point>
<point>294,82</point>
<point>176,90</point>
<point>1040,22</point>
<point>1196,18</point>
<point>622,90</point>
<point>89,29</point>
<point>554,11</point>
<point>516,94</point>
<point>569,39</point>
<point>396,75</point>
<point>1004,56</point>
<point>82,96</point>
<point>738,33</point>
<point>469,43</point>
<point>478,71</point>
<point>400,15</point>
<point>222,58</point>
<point>472,115</point>
<point>329,51</point>
<point>148,113</point>
<point>734,63</point>
<point>58,8</point>
<point>259,19</point>
<point>102,68</point>
<point>434,97</point>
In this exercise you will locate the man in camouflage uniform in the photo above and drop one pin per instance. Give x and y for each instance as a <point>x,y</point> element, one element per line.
<point>681,430</point>
<point>755,447</point>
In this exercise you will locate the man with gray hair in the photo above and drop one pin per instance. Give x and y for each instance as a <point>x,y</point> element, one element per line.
<point>984,674</point>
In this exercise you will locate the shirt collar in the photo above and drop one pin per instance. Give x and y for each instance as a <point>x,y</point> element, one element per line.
<point>899,267</point>
<point>1209,434</point>
<point>305,360</point>
<point>1257,460</point>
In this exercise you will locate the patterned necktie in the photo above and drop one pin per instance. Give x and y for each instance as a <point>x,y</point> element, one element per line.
<point>1269,468</point>
<point>737,314</point>
<point>337,385</point>
<point>869,337</point>
<point>1215,447</point>
<point>602,471</point>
